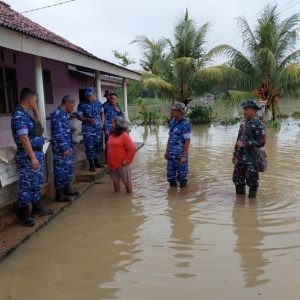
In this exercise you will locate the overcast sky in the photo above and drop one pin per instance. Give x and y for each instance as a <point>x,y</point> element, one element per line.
<point>103,25</point>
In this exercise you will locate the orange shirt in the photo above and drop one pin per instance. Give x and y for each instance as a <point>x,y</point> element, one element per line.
<point>119,148</point>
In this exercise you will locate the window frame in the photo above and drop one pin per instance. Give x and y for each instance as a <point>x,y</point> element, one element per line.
<point>5,66</point>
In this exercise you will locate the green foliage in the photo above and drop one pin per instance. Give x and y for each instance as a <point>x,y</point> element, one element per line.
<point>238,96</point>
<point>270,58</point>
<point>274,124</point>
<point>125,61</point>
<point>296,115</point>
<point>174,72</point>
<point>149,117</point>
<point>231,121</point>
<point>200,114</point>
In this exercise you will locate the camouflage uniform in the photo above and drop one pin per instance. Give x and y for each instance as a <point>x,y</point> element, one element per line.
<point>31,181</point>
<point>177,136</point>
<point>61,137</point>
<point>252,134</point>
<point>91,132</point>
<point>110,114</point>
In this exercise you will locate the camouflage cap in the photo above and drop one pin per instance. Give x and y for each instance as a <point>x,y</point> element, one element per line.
<point>250,103</point>
<point>178,106</point>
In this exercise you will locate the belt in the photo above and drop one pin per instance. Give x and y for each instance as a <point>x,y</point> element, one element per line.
<point>38,149</point>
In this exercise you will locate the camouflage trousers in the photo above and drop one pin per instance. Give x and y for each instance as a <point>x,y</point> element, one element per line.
<point>245,172</point>
<point>30,181</point>
<point>92,144</point>
<point>177,171</point>
<point>63,170</point>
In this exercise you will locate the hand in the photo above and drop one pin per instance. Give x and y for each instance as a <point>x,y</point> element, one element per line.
<point>66,153</point>
<point>106,132</point>
<point>124,163</point>
<point>183,160</point>
<point>35,164</point>
<point>234,160</point>
<point>166,155</point>
<point>240,144</point>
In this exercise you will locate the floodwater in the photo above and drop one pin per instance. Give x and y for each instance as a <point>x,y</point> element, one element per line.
<point>159,243</point>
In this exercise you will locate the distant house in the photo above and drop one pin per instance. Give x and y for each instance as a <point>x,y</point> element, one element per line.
<point>32,56</point>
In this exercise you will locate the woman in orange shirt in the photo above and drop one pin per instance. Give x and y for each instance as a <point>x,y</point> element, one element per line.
<point>120,154</point>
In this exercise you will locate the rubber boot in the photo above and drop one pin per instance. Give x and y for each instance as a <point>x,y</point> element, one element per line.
<point>240,189</point>
<point>173,183</point>
<point>252,192</point>
<point>92,165</point>
<point>39,209</point>
<point>61,197</point>
<point>70,192</point>
<point>183,184</point>
<point>97,163</point>
<point>24,217</point>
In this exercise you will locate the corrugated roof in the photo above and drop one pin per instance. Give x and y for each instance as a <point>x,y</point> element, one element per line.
<point>13,20</point>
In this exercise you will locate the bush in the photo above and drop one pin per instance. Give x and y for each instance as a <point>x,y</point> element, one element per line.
<point>274,124</point>
<point>200,114</point>
<point>296,115</point>
<point>150,118</point>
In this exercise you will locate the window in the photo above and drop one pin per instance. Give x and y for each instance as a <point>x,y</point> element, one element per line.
<point>48,87</point>
<point>8,90</point>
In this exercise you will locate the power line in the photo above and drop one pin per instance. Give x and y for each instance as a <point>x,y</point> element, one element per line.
<point>44,7</point>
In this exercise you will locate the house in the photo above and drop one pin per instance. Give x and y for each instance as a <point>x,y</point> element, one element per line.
<point>32,56</point>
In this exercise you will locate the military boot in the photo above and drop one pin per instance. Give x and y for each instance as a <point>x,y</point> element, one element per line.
<point>92,165</point>
<point>39,209</point>
<point>173,183</point>
<point>61,197</point>
<point>97,163</point>
<point>70,192</point>
<point>183,184</point>
<point>240,189</point>
<point>252,192</point>
<point>24,217</point>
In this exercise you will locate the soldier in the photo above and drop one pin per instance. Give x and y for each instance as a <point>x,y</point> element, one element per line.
<point>112,110</point>
<point>177,147</point>
<point>27,133</point>
<point>90,112</point>
<point>251,136</point>
<point>62,147</point>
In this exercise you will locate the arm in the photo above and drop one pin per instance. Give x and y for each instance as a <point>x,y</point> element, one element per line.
<point>130,147</point>
<point>258,142</point>
<point>57,134</point>
<point>166,152</point>
<point>185,150</point>
<point>102,119</point>
<point>28,148</point>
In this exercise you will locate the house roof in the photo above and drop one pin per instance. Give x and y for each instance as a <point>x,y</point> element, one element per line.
<point>13,20</point>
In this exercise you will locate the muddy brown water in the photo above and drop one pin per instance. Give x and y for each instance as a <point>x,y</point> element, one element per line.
<point>201,242</point>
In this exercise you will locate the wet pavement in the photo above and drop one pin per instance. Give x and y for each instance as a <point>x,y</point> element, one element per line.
<point>161,243</point>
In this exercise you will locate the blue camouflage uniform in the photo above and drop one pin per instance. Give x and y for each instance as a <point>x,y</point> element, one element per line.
<point>91,132</point>
<point>252,133</point>
<point>110,114</point>
<point>179,132</point>
<point>61,137</point>
<point>30,181</point>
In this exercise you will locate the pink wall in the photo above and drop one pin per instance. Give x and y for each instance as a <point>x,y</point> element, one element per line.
<point>62,84</point>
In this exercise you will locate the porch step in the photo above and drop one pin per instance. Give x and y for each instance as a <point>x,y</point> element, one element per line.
<point>87,176</point>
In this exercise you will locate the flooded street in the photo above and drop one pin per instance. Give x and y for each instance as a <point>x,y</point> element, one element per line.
<point>161,243</point>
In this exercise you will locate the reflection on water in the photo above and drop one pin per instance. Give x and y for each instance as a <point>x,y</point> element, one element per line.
<point>162,243</point>
<point>249,242</point>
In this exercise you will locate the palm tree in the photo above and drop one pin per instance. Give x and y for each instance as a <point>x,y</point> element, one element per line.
<point>153,53</point>
<point>178,70</point>
<point>270,65</point>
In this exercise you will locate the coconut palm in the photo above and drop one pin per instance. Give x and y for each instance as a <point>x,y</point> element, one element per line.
<point>270,65</point>
<point>178,70</point>
<point>153,53</point>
